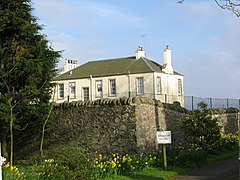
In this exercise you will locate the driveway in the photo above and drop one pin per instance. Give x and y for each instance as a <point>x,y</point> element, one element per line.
<point>222,170</point>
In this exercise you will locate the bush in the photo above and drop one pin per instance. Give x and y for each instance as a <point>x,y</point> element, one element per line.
<point>200,129</point>
<point>186,157</point>
<point>229,141</point>
<point>67,162</point>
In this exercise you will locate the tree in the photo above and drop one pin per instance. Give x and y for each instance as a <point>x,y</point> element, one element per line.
<point>27,64</point>
<point>200,129</point>
<point>232,5</point>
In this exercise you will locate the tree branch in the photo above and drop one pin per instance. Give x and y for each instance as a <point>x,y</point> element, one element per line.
<point>231,5</point>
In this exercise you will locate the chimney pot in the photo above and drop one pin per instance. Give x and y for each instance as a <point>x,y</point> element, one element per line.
<point>140,52</point>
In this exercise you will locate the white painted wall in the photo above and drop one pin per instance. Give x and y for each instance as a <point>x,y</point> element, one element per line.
<point>124,83</point>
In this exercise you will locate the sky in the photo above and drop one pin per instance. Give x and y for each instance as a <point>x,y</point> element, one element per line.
<point>204,38</point>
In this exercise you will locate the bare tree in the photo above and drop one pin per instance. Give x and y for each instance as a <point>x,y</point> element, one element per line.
<point>231,5</point>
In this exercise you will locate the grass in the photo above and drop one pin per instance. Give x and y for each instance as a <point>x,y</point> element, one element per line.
<point>224,155</point>
<point>147,174</point>
<point>151,173</point>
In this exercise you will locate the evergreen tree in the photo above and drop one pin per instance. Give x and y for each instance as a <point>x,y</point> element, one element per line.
<point>27,64</point>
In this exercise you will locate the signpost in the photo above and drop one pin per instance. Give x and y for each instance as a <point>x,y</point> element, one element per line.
<point>164,137</point>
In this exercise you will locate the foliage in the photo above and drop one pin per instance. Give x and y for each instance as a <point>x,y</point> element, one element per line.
<point>73,163</point>
<point>12,172</point>
<point>200,129</point>
<point>229,141</point>
<point>27,64</point>
<point>186,157</point>
<point>67,162</point>
<point>117,164</point>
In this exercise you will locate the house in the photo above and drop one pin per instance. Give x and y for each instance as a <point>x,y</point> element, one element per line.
<point>127,76</point>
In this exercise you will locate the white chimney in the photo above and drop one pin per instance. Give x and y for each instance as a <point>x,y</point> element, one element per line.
<point>70,64</point>
<point>140,52</point>
<point>167,60</point>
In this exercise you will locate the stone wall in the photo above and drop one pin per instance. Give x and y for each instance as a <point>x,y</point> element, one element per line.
<point>121,125</point>
<point>228,119</point>
<point>104,128</point>
<point>149,119</point>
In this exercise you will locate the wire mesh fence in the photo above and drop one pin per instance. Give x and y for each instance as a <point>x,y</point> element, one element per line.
<point>191,102</point>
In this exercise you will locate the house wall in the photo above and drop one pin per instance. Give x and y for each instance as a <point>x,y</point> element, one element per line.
<point>122,125</point>
<point>170,88</point>
<point>124,84</point>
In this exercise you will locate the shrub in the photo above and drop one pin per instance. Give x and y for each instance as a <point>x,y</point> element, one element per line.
<point>230,141</point>
<point>200,129</point>
<point>186,157</point>
<point>67,162</point>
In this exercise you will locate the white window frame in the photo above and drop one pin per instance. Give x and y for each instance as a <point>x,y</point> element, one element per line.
<point>85,96</point>
<point>180,87</point>
<point>139,85</point>
<point>112,87</point>
<point>72,90</point>
<point>99,88</point>
<point>61,91</point>
<point>159,85</point>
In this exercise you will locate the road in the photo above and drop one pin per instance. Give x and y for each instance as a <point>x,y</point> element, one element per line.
<point>222,170</point>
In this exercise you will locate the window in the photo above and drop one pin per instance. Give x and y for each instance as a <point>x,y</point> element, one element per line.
<point>99,88</point>
<point>72,90</point>
<point>112,87</point>
<point>140,85</point>
<point>179,87</point>
<point>61,91</point>
<point>159,85</point>
<point>85,94</point>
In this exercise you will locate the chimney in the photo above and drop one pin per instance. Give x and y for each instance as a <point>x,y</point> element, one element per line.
<point>167,60</point>
<point>140,52</point>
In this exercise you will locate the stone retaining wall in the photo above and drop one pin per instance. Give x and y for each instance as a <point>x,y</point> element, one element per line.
<point>121,125</point>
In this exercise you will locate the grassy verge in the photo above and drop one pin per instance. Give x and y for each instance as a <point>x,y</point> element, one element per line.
<point>151,173</point>
<point>223,155</point>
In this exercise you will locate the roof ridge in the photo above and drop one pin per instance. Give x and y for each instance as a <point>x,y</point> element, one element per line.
<point>149,66</point>
<point>110,59</point>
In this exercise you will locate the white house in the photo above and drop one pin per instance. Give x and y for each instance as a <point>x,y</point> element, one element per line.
<point>128,76</point>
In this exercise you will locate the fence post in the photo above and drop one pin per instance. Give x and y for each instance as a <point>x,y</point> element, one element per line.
<point>227,103</point>
<point>210,103</point>
<point>192,104</point>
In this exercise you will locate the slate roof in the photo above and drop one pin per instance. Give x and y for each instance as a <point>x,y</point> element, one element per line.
<point>112,67</point>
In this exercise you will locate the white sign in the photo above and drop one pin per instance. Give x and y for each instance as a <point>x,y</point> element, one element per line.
<point>164,137</point>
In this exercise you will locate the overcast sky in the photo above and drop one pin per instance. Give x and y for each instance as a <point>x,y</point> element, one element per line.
<point>204,38</point>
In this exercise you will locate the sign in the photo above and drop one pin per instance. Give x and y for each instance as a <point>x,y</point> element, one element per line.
<point>164,137</point>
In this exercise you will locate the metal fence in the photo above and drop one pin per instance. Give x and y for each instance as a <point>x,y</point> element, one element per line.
<point>190,102</point>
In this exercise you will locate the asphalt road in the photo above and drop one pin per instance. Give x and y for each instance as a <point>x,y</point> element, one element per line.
<point>222,170</point>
